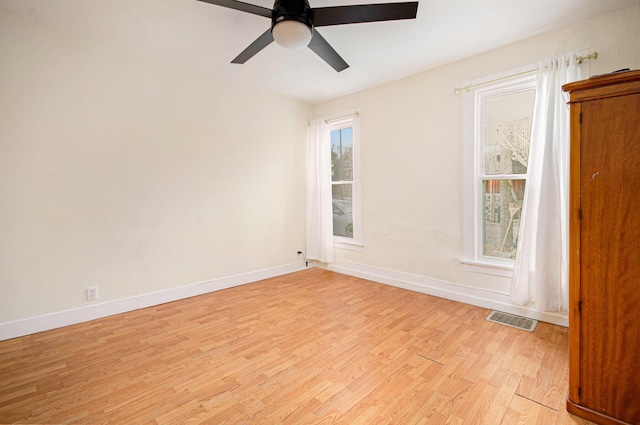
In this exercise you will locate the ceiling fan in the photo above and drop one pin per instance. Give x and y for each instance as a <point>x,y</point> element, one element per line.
<point>294,22</point>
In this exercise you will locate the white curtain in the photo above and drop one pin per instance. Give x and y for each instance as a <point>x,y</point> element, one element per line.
<point>319,210</point>
<point>541,274</point>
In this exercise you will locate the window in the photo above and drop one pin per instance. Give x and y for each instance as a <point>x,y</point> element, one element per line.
<point>345,185</point>
<point>498,118</point>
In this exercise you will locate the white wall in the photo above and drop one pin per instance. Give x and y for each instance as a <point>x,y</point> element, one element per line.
<point>122,171</point>
<point>125,172</point>
<point>412,146</point>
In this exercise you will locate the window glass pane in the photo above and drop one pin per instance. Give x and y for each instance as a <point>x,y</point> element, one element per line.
<point>507,130</point>
<point>342,154</point>
<point>342,210</point>
<point>502,206</point>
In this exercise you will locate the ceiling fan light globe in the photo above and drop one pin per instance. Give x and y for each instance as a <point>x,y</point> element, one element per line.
<point>292,34</point>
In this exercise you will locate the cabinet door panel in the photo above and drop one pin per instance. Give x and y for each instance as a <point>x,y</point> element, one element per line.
<point>610,257</point>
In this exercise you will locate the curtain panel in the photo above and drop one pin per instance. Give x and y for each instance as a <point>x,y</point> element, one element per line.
<point>319,210</point>
<point>540,273</point>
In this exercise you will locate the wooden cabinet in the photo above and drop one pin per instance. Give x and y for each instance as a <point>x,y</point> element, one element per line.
<point>604,249</point>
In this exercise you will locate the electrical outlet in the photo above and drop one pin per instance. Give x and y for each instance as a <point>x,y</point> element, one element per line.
<point>299,254</point>
<point>92,293</point>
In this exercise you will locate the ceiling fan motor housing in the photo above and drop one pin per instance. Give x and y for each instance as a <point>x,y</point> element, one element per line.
<point>292,10</point>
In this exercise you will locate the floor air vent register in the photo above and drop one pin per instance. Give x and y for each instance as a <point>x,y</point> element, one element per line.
<point>513,321</point>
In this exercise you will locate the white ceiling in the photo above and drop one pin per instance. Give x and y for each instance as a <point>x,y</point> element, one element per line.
<point>208,37</point>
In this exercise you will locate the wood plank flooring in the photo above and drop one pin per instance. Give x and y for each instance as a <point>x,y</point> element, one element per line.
<point>312,347</point>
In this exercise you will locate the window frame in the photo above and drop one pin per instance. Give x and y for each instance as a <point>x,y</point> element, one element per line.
<point>350,119</point>
<point>514,81</point>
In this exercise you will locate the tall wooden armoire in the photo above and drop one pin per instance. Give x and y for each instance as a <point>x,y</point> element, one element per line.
<point>604,249</point>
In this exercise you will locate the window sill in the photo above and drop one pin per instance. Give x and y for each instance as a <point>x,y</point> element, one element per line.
<point>487,268</point>
<point>349,245</point>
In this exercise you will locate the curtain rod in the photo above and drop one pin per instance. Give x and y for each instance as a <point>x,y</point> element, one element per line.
<point>579,61</point>
<point>355,114</point>
<point>472,86</point>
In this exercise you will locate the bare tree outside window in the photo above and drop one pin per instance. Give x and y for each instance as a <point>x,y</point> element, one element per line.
<point>505,154</point>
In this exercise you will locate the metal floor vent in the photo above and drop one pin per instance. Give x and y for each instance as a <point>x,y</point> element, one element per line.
<point>512,320</point>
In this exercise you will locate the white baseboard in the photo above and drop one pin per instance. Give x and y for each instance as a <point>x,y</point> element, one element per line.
<point>59,319</point>
<point>462,293</point>
<point>456,292</point>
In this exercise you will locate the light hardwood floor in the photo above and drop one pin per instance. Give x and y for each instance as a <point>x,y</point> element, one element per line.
<point>312,347</point>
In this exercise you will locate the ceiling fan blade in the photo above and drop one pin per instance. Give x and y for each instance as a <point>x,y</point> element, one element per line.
<point>322,48</point>
<point>261,42</point>
<point>340,15</point>
<point>241,6</point>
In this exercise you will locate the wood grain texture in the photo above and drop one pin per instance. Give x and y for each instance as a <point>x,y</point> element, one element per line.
<point>604,246</point>
<point>610,247</point>
<point>609,85</point>
<point>313,347</point>
<point>574,252</point>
